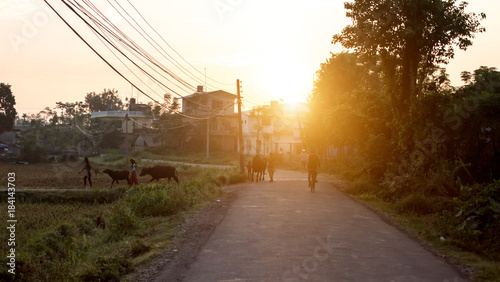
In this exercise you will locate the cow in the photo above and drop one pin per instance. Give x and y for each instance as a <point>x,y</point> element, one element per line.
<point>259,168</point>
<point>159,171</point>
<point>117,175</point>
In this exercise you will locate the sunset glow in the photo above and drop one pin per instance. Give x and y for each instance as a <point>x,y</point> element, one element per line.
<point>275,49</point>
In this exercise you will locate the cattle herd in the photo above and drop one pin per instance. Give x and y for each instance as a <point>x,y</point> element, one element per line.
<point>258,168</point>
<point>156,172</point>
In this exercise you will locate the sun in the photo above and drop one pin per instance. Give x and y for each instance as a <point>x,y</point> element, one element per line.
<point>288,83</point>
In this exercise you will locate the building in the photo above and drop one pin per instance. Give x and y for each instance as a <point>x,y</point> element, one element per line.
<point>212,111</point>
<point>274,128</point>
<point>135,122</point>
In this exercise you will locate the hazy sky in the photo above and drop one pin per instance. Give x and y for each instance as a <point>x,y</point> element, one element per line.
<point>274,47</point>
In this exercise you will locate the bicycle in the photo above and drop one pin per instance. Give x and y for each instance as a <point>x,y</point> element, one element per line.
<point>311,177</point>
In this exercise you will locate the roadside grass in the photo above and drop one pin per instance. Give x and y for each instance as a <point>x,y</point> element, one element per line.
<point>428,218</point>
<point>85,240</point>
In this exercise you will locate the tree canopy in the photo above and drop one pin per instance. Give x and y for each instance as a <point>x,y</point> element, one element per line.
<point>7,109</point>
<point>108,99</point>
<point>418,33</point>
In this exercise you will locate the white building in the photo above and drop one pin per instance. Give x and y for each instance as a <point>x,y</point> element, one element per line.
<point>274,128</point>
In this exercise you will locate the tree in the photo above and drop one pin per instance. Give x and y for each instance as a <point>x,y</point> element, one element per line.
<point>108,99</point>
<point>7,110</point>
<point>418,34</point>
<point>346,105</point>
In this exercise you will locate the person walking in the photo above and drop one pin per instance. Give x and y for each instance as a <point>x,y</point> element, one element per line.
<point>133,177</point>
<point>87,167</point>
<point>312,169</point>
<point>303,159</point>
<point>270,167</point>
<point>249,170</point>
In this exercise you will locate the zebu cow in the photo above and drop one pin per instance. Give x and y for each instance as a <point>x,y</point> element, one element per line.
<point>117,175</point>
<point>159,171</point>
<point>259,168</point>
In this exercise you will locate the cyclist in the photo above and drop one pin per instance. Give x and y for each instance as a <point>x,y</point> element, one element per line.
<point>312,169</point>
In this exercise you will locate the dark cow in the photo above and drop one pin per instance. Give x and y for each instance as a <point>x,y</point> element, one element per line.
<point>259,168</point>
<point>161,171</point>
<point>117,175</point>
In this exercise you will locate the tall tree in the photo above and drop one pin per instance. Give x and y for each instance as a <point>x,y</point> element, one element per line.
<point>108,99</point>
<point>7,110</point>
<point>418,33</point>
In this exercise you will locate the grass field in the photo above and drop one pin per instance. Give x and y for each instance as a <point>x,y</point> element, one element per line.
<point>68,175</point>
<point>58,236</point>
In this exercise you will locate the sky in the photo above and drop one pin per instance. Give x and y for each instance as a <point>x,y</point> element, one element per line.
<point>273,47</point>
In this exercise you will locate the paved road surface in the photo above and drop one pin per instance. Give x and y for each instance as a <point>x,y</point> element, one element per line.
<point>282,232</point>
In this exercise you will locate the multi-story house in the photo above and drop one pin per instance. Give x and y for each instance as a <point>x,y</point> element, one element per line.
<point>274,128</point>
<point>212,111</point>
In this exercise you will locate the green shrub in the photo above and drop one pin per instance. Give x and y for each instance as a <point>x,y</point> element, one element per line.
<point>86,225</point>
<point>106,269</point>
<point>237,178</point>
<point>362,186</point>
<point>138,248</point>
<point>66,230</point>
<point>121,220</point>
<point>420,204</point>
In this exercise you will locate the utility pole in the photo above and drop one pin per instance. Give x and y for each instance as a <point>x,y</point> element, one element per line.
<point>208,120</point>
<point>126,138</point>
<point>208,138</point>
<point>240,123</point>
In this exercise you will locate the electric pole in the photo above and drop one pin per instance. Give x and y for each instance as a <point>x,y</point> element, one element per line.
<point>208,138</point>
<point>240,131</point>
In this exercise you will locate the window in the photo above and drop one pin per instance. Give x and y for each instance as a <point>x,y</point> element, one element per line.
<point>217,104</point>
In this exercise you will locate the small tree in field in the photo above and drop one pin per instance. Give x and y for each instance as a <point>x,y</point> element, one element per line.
<point>7,110</point>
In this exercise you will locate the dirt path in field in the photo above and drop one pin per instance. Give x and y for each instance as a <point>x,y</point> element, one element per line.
<point>280,231</point>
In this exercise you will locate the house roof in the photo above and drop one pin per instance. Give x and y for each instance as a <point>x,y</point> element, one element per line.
<point>117,114</point>
<point>150,141</point>
<point>215,93</point>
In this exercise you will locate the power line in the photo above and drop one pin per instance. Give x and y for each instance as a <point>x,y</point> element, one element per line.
<point>171,46</point>
<point>114,46</point>
<point>123,41</point>
<point>109,64</point>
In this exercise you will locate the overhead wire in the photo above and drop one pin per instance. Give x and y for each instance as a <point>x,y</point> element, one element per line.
<point>143,52</point>
<point>126,45</point>
<point>121,52</point>
<point>107,62</point>
<point>171,46</point>
<point>168,56</point>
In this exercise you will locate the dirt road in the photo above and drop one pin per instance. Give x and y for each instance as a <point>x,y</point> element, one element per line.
<point>280,231</point>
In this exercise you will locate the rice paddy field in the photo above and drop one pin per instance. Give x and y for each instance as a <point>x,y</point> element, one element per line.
<point>98,234</point>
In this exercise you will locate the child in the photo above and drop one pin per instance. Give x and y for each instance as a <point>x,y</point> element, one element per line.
<point>133,177</point>
<point>87,167</point>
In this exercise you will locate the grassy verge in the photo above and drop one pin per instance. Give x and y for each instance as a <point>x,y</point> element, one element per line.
<point>431,219</point>
<point>96,241</point>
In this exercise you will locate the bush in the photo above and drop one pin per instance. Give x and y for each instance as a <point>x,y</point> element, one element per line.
<point>138,248</point>
<point>157,200</point>
<point>107,269</point>
<point>237,178</point>
<point>362,186</point>
<point>121,220</point>
<point>421,204</point>
<point>479,217</point>
<point>31,152</point>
